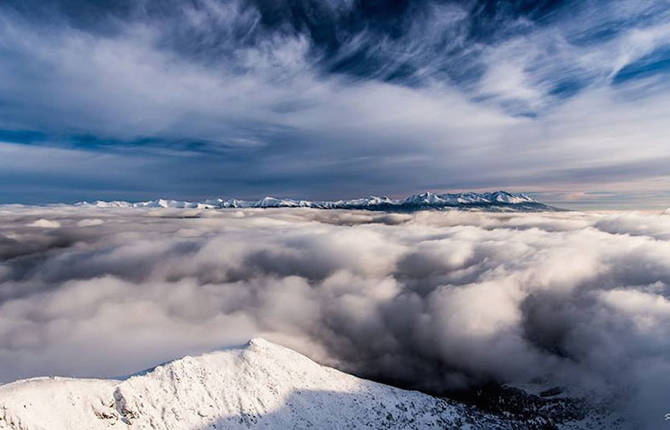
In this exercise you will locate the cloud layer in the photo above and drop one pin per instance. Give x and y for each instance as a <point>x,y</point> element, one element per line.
<point>316,99</point>
<point>435,301</point>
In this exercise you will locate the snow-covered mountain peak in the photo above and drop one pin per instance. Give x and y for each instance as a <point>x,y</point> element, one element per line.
<point>260,343</point>
<point>505,197</point>
<point>426,198</point>
<point>259,385</point>
<point>500,201</point>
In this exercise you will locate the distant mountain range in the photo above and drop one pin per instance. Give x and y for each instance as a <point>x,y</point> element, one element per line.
<point>498,201</point>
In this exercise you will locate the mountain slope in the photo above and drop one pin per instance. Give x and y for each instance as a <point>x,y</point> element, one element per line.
<point>262,385</point>
<point>495,201</point>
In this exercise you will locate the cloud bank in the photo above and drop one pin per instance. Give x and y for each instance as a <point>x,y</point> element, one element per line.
<point>435,301</point>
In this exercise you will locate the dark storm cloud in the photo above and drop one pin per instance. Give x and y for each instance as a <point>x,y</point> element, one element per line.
<point>435,301</point>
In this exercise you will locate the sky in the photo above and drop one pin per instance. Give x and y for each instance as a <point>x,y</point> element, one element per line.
<point>136,100</point>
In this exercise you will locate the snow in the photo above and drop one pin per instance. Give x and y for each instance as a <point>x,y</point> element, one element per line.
<point>498,200</point>
<point>259,385</point>
<point>56,403</point>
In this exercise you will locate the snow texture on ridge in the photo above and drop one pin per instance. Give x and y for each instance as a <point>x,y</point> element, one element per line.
<point>261,384</point>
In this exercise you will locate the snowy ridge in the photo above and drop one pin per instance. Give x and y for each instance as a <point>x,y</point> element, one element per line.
<point>260,385</point>
<point>493,201</point>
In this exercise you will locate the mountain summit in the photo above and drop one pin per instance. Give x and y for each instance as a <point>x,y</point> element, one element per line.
<point>258,385</point>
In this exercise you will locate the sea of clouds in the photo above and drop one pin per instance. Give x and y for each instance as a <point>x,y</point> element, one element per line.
<point>433,300</point>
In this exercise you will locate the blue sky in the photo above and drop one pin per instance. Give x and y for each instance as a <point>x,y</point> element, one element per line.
<point>330,99</point>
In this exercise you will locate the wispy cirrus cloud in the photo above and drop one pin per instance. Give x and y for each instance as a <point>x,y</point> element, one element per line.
<point>334,99</point>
